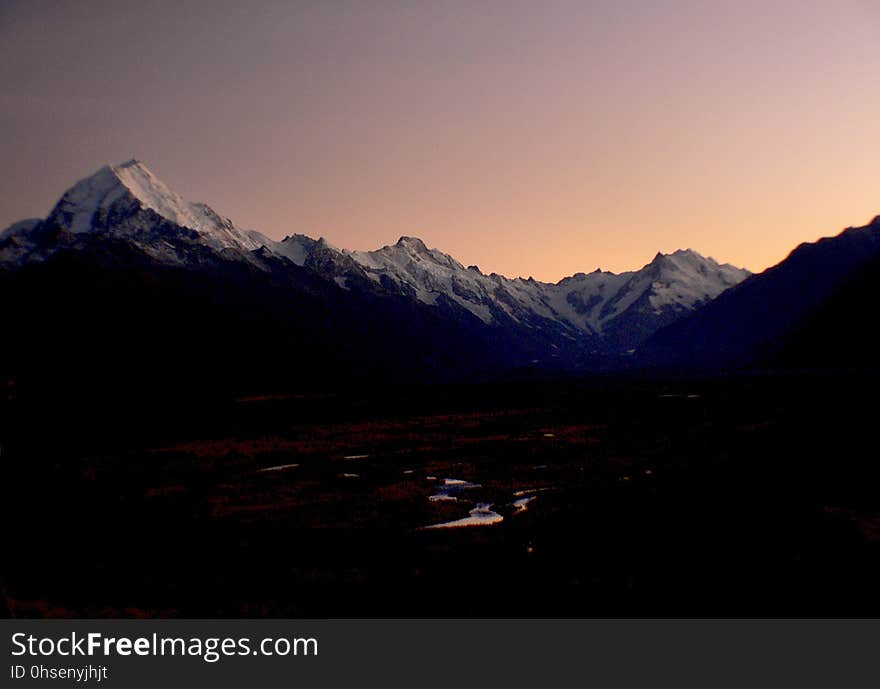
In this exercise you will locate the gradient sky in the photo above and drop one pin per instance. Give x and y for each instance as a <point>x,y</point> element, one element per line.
<point>529,138</point>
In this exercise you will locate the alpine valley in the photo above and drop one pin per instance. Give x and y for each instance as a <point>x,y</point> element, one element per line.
<point>199,421</point>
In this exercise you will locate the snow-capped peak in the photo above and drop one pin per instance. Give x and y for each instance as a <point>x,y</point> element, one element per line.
<point>295,247</point>
<point>155,195</point>
<point>685,278</point>
<point>86,206</point>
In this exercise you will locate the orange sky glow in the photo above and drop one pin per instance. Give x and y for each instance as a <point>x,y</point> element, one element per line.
<point>531,139</point>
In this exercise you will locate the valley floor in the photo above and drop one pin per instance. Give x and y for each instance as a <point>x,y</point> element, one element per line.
<point>726,497</point>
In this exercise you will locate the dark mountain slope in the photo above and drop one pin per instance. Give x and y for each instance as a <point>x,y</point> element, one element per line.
<point>843,333</point>
<point>111,323</point>
<point>750,324</point>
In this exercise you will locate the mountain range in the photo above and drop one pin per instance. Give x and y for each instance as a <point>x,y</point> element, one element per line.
<point>126,276</point>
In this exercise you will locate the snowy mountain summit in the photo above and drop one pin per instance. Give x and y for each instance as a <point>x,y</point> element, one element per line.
<point>91,203</point>
<point>128,203</point>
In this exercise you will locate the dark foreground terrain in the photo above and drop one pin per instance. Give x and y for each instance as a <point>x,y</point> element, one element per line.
<point>742,496</point>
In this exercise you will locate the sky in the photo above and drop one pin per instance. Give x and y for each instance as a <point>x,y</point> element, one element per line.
<point>529,138</point>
